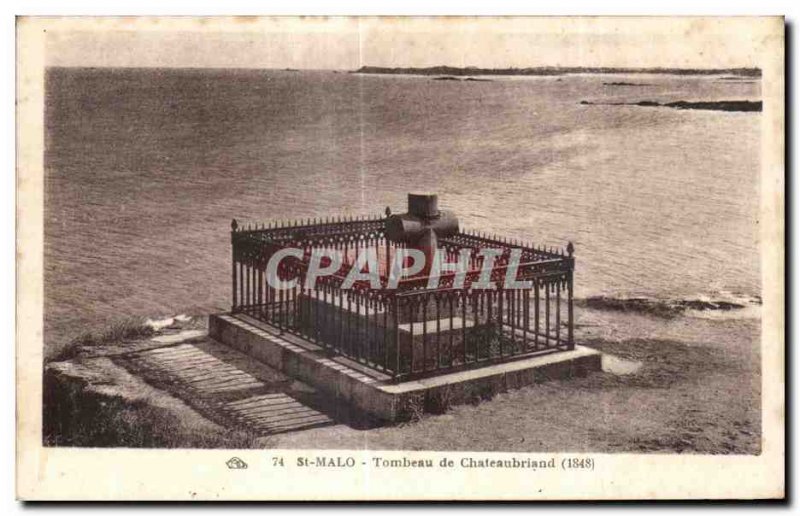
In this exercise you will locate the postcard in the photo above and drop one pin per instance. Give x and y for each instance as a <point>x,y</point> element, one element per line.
<point>400,258</point>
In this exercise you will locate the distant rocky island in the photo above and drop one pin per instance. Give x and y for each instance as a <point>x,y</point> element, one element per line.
<point>620,83</point>
<point>557,70</point>
<point>451,78</point>
<point>720,105</point>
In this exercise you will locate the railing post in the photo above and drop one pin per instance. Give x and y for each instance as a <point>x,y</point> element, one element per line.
<point>396,331</point>
<point>570,251</point>
<point>234,226</point>
<point>388,261</point>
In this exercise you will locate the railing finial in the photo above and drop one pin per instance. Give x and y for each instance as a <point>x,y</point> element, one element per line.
<point>234,225</point>
<point>570,248</point>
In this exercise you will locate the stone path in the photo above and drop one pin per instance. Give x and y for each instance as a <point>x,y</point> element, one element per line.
<point>275,413</point>
<point>229,387</point>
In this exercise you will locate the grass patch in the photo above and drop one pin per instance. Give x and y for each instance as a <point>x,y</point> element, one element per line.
<point>134,328</point>
<point>439,401</point>
<point>77,417</point>
<point>412,408</point>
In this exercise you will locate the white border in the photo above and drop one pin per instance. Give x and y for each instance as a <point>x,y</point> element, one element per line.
<point>297,7</point>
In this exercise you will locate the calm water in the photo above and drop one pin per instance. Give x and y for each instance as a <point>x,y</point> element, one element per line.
<point>145,169</point>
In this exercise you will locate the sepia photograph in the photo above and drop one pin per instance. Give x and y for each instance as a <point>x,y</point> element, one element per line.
<point>536,243</point>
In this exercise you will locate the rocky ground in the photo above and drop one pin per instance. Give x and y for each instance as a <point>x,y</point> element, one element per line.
<point>681,384</point>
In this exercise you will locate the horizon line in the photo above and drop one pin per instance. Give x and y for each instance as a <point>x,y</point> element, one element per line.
<point>291,68</point>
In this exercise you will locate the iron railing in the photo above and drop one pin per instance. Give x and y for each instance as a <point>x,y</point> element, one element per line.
<point>413,330</point>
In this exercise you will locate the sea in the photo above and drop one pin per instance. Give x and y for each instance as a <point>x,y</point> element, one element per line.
<point>145,168</point>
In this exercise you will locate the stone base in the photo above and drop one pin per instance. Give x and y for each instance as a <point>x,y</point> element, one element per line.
<point>375,393</point>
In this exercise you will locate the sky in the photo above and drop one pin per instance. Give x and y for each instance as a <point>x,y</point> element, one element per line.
<point>348,43</point>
